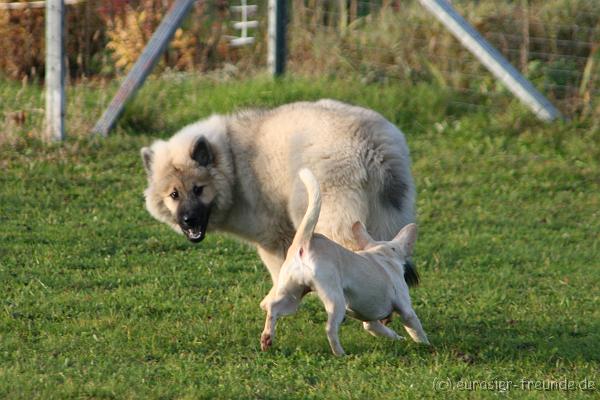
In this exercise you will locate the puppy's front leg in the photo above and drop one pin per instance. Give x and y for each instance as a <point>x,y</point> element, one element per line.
<point>376,328</point>
<point>413,327</point>
<point>411,322</point>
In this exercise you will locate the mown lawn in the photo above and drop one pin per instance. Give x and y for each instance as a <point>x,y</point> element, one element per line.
<point>101,301</point>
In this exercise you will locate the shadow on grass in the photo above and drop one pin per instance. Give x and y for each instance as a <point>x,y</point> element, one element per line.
<point>491,341</point>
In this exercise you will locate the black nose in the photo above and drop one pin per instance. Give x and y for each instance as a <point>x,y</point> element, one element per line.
<point>187,220</point>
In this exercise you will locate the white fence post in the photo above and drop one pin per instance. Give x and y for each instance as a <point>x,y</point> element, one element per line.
<point>492,59</point>
<point>277,52</point>
<point>55,70</point>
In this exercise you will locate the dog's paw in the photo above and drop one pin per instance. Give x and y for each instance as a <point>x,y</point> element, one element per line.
<point>265,341</point>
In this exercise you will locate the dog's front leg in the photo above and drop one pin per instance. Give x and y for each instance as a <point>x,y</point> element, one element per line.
<point>273,259</point>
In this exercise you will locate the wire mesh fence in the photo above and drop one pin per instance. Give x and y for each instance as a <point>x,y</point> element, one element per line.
<point>554,43</point>
<point>105,37</point>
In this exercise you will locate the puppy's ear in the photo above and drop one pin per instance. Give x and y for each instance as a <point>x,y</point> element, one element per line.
<point>361,235</point>
<point>147,155</point>
<point>202,153</point>
<point>407,238</point>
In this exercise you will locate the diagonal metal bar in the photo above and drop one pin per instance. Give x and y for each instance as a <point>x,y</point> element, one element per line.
<point>144,65</point>
<point>492,59</point>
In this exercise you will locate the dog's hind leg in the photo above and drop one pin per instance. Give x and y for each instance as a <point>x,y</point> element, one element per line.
<point>340,210</point>
<point>376,328</point>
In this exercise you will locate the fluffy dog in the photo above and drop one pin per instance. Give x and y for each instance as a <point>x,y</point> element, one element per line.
<point>239,174</point>
<point>368,284</point>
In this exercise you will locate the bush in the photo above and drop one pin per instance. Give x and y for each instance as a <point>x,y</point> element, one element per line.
<point>22,40</point>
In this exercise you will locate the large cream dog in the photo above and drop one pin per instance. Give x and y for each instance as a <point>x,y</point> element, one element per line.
<point>369,284</point>
<point>239,174</point>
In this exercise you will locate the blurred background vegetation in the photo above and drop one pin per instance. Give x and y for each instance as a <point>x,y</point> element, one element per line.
<point>553,42</point>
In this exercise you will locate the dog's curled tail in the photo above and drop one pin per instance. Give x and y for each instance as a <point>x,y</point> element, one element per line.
<point>411,276</point>
<point>311,217</point>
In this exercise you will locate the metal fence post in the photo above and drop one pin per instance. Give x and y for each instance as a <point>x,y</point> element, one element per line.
<point>144,65</point>
<point>55,70</point>
<point>277,46</point>
<point>492,59</point>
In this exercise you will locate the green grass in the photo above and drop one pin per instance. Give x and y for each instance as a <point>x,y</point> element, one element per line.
<point>101,301</point>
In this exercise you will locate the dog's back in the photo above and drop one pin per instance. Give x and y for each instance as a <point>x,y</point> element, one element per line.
<point>367,177</point>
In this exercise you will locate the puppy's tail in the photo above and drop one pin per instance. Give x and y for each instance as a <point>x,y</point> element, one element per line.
<point>311,217</point>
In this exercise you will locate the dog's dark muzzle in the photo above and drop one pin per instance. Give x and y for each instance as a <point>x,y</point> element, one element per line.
<point>194,221</point>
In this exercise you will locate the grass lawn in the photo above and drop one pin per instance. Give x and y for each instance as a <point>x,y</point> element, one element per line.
<point>101,301</point>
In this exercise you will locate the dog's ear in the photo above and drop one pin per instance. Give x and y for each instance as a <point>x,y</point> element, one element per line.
<point>361,235</point>
<point>202,153</point>
<point>407,238</point>
<point>147,155</point>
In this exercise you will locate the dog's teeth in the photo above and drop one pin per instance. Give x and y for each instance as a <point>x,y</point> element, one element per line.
<point>193,234</point>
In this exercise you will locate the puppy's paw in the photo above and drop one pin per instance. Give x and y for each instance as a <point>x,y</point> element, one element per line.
<point>265,341</point>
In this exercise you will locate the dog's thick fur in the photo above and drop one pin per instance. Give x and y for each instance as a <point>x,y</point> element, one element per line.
<point>368,284</point>
<point>239,174</point>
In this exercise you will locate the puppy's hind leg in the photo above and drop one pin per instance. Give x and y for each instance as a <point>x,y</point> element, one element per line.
<point>376,328</point>
<point>268,333</point>
<point>334,319</point>
<point>281,305</point>
<point>336,310</point>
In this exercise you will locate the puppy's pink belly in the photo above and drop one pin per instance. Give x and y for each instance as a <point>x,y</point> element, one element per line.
<point>369,314</point>
<point>372,305</point>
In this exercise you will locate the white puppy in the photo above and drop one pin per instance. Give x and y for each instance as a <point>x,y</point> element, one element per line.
<point>369,284</point>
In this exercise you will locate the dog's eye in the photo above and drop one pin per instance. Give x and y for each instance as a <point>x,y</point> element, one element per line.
<point>198,190</point>
<point>174,195</point>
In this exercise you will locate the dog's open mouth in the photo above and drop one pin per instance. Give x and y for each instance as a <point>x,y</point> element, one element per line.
<point>193,223</point>
<point>195,234</point>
